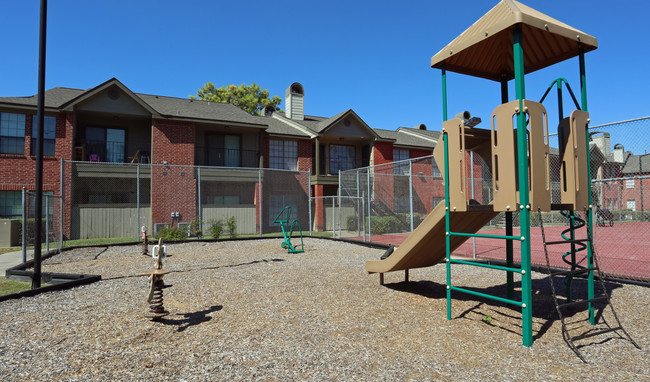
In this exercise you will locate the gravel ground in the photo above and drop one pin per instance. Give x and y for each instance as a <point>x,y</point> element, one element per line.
<point>247,310</point>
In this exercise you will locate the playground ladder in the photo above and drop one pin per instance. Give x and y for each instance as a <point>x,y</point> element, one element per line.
<point>604,298</point>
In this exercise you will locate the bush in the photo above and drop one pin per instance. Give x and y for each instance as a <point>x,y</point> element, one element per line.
<point>216,228</point>
<point>351,223</point>
<point>171,234</point>
<point>195,227</point>
<point>231,226</point>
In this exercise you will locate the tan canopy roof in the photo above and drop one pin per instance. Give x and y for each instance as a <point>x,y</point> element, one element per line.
<point>485,48</point>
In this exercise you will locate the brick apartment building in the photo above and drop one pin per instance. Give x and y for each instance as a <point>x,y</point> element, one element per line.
<point>169,137</point>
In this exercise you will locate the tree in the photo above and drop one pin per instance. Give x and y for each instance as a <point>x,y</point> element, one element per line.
<point>249,98</point>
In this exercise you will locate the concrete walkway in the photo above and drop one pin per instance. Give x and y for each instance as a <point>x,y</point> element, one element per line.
<point>11,259</point>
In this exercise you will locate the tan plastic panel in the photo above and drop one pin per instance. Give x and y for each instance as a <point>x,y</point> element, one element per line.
<point>457,170</point>
<point>574,171</point>
<point>504,158</point>
<point>538,146</point>
<point>426,245</point>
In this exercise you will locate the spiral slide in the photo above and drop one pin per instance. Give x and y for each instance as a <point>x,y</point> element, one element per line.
<point>426,245</point>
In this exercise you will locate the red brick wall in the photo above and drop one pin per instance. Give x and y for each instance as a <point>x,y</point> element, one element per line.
<point>304,155</point>
<point>382,152</point>
<point>19,170</point>
<point>173,188</point>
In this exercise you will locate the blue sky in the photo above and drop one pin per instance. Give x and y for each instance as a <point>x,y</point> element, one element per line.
<point>370,56</point>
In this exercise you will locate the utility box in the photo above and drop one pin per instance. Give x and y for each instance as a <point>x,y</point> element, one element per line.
<point>9,233</point>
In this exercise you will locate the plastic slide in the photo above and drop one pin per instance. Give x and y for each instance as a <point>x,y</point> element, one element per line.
<point>426,245</point>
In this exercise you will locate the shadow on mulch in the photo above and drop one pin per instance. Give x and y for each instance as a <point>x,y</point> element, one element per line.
<point>191,319</point>
<point>543,305</point>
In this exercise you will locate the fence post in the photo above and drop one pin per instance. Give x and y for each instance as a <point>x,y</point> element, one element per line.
<point>363,211</point>
<point>411,190</point>
<point>259,200</point>
<point>137,200</point>
<point>360,220</point>
<point>309,198</point>
<point>47,224</point>
<point>61,208</point>
<point>339,192</point>
<point>24,229</point>
<point>369,211</point>
<point>333,216</point>
<point>200,206</point>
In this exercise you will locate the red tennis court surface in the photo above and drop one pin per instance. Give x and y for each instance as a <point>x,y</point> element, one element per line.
<point>623,250</point>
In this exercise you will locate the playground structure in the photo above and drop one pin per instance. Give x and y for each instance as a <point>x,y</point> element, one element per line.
<point>516,150</point>
<point>288,227</point>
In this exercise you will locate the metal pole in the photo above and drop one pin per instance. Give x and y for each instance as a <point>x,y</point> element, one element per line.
<point>363,211</point>
<point>447,224</point>
<point>444,93</point>
<point>333,216</point>
<point>24,229</point>
<point>524,221</point>
<point>259,200</point>
<point>471,175</point>
<point>198,179</point>
<point>61,209</point>
<point>40,116</point>
<point>510,284</point>
<point>309,200</point>
<point>411,190</point>
<point>339,192</point>
<point>137,200</point>
<point>360,219</point>
<point>47,224</point>
<point>369,211</point>
<point>590,255</point>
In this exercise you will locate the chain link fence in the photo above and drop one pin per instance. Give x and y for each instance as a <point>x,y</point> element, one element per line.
<point>110,200</point>
<point>399,195</point>
<point>51,223</point>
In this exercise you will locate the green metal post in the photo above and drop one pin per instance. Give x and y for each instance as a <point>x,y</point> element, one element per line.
<point>590,255</point>
<point>522,169</point>
<point>444,93</point>
<point>509,248</point>
<point>447,228</point>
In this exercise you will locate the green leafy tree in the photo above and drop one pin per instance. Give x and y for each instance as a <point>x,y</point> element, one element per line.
<point>249,98</point>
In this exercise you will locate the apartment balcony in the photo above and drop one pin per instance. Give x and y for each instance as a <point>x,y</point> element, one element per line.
<point>225,157</point>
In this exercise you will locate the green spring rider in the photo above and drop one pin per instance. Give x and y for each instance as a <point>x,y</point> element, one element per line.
<point>287,230</point>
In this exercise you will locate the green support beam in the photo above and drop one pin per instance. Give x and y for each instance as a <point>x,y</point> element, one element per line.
<point>522,170</point>
<point>588,217</point>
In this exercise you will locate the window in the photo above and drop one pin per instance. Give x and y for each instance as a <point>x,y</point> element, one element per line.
<point>401,155</point>
<point>11,204</point>
<point>223,150</point>
<point>435,171</point>
<point>629,183</point>
<point>341,158</point>
<point>49,132</point>
<point>12,133</point>
<point>283,155</point>
<point>631,205</point>
<point>107,143</point>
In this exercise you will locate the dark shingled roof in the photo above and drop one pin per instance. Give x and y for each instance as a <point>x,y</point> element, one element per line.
<point>197,109</point>
<point>54,98</point>
<point>632,165</point>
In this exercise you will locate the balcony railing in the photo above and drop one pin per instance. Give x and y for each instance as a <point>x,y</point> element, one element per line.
<point>117,152</point>
<point>225,157</point>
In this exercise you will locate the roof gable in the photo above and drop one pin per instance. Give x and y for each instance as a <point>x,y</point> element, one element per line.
<point>346,123</point>
<point>112,89</point>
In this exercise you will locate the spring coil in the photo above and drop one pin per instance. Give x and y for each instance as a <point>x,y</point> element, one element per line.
<point>156,303</point>
<point>578,246</point>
